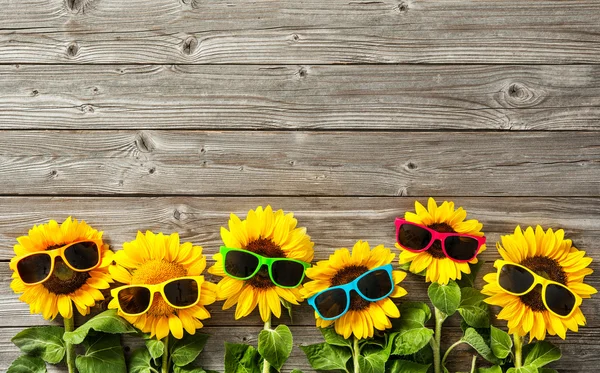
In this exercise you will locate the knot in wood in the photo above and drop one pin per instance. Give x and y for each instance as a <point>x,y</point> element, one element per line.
<point>519,95</point>
<point>72,49</point>
<point>189,45</point>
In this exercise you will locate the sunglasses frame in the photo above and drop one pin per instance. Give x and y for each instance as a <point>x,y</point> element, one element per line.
<point>263,260</point>
<point>439,236</point>
<point>353,286</point>
<point>157,288</point>
<point>537,279</point>
<point>59,252</point>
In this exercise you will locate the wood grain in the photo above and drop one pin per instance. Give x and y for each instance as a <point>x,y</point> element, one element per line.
<point>397,97</point>
<point>294,163</point>
<point>579,350</point>
<point>339,31</point>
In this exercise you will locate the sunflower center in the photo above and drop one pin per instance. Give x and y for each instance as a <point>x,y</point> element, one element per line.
<point>346,275</point>
<point>154,272</point>
<point>436,248</point>
<point>549,269</point>
<point>268,248</point>
<point>63,279</point>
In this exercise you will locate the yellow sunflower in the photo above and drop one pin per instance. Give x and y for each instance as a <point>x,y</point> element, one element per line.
<point>444,218</point>
<point>363,317</point>
<point>152,259</point>
<point>270,234</point>
<point>551,256</point>
<point>64,287</point>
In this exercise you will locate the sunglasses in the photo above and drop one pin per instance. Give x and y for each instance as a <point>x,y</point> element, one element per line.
<point>417,238</point>
<point>179,293</point>
<point>372,286</point>
<point>243,265</point>
<point>82,256</point>
<point>518,280</point>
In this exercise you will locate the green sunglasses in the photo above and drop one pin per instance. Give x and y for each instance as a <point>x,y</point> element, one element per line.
<point>243,265</point>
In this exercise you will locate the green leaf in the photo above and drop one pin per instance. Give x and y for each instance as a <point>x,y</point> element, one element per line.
<point>473,309</point>
<point>334,338</point>
<point>107,322</point>
<point>141,361</point>
<point>155,347</point>
<point>523,369</point>
<point>468,280</point>
<point>27,364</point>
<point>446,298</point>
<point>275,345</point>
<point>187,349</point>
<point>372,363</point>
<point>42,341</point>
<point>296,371</point>
<point>406,366</point>
<point>542,353</point>
<point>423,356</point>
<point>500,342</point>
<point>411,335</point>
<point>475,340</point>
<point>103,353</point>
<point>323,356</point>
<point>494,369</point>
<point>241,358</point>
<point>418,305</point>
<point>289,307</point>
<point>188,369</point>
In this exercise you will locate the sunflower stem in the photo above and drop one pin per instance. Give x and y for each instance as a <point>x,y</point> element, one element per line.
<point>69,347</point>
<point>439,320</point>
<point>266,364</point>
<point>450,349</point>
<point>473,363</point>
<point>518,350</point>
<point>165,357</point>
<point>355,354</point>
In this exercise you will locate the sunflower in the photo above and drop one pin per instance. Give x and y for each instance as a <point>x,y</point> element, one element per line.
<point>64,287</point>
<point>444,218</point>
<point>273,235</point>
<point>155,258</point>
<point>553,257</point>
<point>363,317</point>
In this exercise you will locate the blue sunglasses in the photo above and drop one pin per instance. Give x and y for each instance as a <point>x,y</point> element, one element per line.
<point>334,302</point>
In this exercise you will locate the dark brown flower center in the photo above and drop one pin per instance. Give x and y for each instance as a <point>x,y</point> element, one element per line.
<point>270,249</point>
<point>63,279</point>
<point>436,248</point>
<point>345,276</point>
<point>547,268</point>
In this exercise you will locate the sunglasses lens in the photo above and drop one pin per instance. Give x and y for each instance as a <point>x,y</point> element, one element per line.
<point>331,303</point>
<point>182,293</point>
<point>287,273</point>
<point>559,299</point>
<point>240,264</point>
<point>413,237</point>
<point>460,247</point>
<point>34,268</point>
<point>515,279</point>
<point>375,285</point>
<point>134,299</point>
<point>82,255</point>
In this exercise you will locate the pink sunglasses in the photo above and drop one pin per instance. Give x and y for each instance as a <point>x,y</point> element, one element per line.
<point>417,238</point>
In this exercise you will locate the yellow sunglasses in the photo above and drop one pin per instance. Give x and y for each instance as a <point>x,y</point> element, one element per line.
<point>179,293</point>
<point>80,256</point>
<point>519,280</point>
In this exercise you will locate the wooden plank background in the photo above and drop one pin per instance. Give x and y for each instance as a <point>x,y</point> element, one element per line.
<point>168,116</point>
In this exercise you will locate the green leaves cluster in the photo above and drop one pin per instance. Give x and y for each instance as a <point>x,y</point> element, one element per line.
<point>274,346</point>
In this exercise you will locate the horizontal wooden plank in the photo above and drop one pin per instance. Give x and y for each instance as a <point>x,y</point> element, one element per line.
<point>331,222</point>
<point>294,163</point>
<point>337,31</point>
<point>395,97</point>
<point>579,352</point>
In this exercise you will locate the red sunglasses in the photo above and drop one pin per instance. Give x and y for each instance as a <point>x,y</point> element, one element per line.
<point>417,238</point>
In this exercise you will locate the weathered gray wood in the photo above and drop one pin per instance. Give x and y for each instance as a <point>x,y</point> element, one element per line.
<point>438,31</point>
<point>579,350</point>
<point>516,97</point>
<point>293,163</point>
